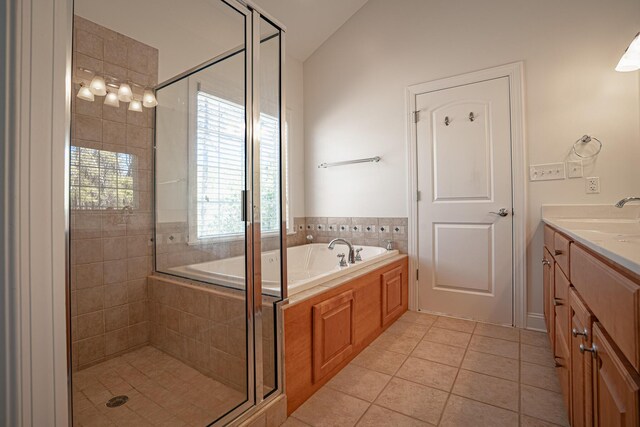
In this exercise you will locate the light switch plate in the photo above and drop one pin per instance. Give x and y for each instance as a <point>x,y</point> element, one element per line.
<point>546,172</point>
<point>574,169</point>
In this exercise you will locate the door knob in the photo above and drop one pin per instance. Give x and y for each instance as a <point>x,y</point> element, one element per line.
<point>501,212</point>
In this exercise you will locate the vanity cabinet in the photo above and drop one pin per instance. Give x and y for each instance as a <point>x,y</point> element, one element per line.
<point>592,313</point>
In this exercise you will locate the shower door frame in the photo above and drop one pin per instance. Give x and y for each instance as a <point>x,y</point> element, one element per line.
<point>253,238</point>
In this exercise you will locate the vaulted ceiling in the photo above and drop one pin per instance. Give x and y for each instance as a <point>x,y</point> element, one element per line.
<point>310,22</point>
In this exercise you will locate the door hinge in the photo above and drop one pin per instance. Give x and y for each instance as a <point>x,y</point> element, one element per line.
<point>417,274</point>
<point>418,196</point>
<point>416,116</point>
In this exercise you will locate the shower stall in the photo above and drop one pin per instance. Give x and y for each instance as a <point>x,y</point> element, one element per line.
<point>178,214</point>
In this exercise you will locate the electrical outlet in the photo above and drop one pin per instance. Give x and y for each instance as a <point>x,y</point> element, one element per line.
<point>574,168</point>
<point>592,184</point>
<point>546,172</point>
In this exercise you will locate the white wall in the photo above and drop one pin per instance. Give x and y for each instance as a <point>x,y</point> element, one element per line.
<point>354,93</point>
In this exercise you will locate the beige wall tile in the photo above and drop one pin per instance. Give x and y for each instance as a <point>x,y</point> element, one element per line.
<point>138,334</point>
<point>88,250</point>
<point>88,275</point>
<point>113,132</point>
<point>116,317</point>
<point>115,114</point>
<point>90,300</point>
<point>138,312</point>
<point>138,246</point>
<point>115,51</point>
<point>115,294</point>
<point>116,341</point>
<point>87,128</point>
<point>89,44</point>
<point>138,268</point>
<point>114,248</point>
<point>88,108</point>
<point>115,271</point>
<point>91,350</point>
<point>138,136</point>
<point>90,325</point>
<point>137,290</point>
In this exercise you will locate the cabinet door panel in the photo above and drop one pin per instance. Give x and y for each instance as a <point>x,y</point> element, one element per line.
<point>581,363</point>
<point>547,277</point>
<point>563,363</point>
<point>561,303</point>
<point>616,384</point>
<point>333,333</point>
<point>392,295</point>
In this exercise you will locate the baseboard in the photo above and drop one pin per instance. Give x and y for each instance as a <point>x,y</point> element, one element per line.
<point>535,321</point>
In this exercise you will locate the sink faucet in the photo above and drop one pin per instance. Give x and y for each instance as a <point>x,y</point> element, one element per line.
<point>626,200</point>
<point>352,256</point>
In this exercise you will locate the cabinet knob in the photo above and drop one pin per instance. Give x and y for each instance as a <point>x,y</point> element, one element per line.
<point>557,302</point>
<point>576,332</point>
<point>545,261</point>
<point>558,252</point>
<point>593,350</point>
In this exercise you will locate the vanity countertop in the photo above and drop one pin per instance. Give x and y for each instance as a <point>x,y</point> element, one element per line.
<point>609,231</point>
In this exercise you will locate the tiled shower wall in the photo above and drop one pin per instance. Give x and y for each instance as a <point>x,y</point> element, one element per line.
<point>111,249</point>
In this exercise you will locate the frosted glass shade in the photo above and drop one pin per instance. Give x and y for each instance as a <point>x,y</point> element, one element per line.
<point>135,106</point>
<point>98,87</point>
<point>630,60</point>
<point>124,93</point>
<point>85,93</point>
<point>112,100</point>
<point>149,99</point>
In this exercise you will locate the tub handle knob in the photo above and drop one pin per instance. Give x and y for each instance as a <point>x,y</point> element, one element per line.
<point>358,256</point>
<point>343,262</point>
<point>389,245</point>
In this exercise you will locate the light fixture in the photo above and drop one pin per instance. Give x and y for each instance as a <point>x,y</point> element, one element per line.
<point>135,106</point>
<point>85,93</point>
<point>630,60</point>
<point>98,86</point>
<point>112,99</point>
<point>124,93</point>
<point>149,99</point>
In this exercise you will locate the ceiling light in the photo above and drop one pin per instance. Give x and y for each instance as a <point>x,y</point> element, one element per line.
<point>135,106</point>
<point>112,100</point>
<point>98,86</point>
<point>149,99</point>
<point>630,60</point>
<point>85,93</point>
<point>124,93</point>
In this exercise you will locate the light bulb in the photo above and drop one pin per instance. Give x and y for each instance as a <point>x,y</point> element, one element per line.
<point>149,99</point>
<point>112,100</point>
<point>630,60</point>
<point>124,93</point>
<point>85,93</point>
<point>98,87</point>
<point>135,106</point>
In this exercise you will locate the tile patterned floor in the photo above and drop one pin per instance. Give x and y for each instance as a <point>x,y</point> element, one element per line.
<point>162,392</point>
<point>429,370</point>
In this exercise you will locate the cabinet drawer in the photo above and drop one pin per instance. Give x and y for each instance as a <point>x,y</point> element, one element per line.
<point>548,237</point>
<point>611,297</point>
<point>561,252</point>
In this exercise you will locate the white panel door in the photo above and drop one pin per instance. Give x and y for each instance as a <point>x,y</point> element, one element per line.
<point>464,174</point>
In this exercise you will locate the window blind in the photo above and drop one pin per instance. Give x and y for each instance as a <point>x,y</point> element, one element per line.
<point>220,168</point>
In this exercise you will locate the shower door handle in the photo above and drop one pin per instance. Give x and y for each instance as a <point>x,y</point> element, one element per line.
<point>243,198</point>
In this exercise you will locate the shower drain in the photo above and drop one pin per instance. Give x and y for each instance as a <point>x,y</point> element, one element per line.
<point>114,402</point>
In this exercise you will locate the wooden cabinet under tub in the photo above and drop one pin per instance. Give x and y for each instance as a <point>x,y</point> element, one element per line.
<point>592,312</point>
<point>325,331</point>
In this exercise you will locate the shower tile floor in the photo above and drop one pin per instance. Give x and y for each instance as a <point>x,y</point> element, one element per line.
<point>162,391</point>
<point>426,370</point>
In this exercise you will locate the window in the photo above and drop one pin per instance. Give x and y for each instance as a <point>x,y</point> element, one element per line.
<point>101,179</point>
<point>220,168</point>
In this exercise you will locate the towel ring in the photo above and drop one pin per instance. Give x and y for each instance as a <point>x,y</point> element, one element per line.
<point>585,140</point>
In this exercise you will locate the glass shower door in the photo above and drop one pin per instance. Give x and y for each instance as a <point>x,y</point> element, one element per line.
<point>203,227</point>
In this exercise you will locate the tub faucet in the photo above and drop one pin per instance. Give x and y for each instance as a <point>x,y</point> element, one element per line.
<point>626,200</point>
<point>352,256</point>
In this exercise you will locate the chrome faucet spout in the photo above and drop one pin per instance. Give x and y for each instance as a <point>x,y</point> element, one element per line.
<point>351,256</point>
<point>626,200</point>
